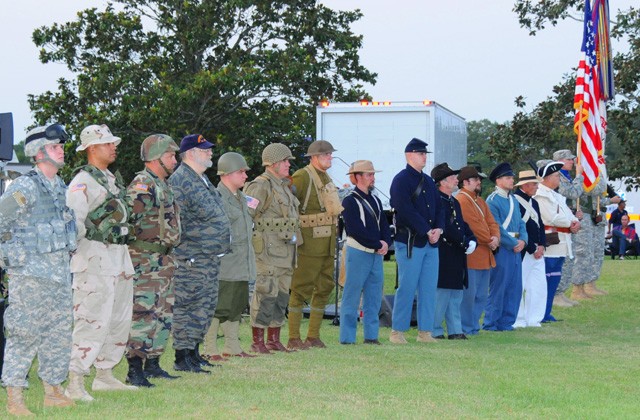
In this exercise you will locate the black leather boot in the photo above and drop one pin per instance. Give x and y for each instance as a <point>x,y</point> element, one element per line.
<point>183,362</point>
<point>152,369</point>
<point>136,376</point>
<point>197,358</point>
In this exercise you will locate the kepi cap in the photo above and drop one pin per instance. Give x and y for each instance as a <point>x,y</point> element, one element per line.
<point>503,169</point>
<point>416,146</point>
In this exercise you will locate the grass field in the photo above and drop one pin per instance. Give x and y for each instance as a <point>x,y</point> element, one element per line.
<point>583,367</point>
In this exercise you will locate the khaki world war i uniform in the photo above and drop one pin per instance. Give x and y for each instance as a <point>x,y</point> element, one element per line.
<point>313,278</point>
<point>155,223</point>
<point>274,240</point>
<point>37,234</point>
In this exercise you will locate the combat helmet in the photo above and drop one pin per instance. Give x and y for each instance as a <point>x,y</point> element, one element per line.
<point>275,152</point>
<point>154,146</point>
<point>40,136</point>
<point>231,162</point>
<point>320,147</point>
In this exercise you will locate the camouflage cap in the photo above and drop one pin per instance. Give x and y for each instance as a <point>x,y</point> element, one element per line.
<point>320,147</point>
<point>275,152</point>
<point>563,154</point>
<point>231,162</point>
<point>154,146</point>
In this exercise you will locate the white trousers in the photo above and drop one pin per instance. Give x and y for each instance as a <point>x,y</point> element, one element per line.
<point>534,292</point>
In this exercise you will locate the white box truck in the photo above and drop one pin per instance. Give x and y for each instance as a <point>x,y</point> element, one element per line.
<point>379,132</point>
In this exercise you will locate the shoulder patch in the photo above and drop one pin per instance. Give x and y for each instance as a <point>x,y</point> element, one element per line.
<point>252,202</point>
<point>20,198</point>
<point>141,187</point>
<point>78,187</point>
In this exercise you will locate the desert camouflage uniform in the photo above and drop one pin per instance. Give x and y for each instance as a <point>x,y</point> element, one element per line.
<point>156,230</point>
<point>276,223</point>
<point>205,238</point>
<point>102,270</point>
<point>588,243</point>
<point>38,233</point>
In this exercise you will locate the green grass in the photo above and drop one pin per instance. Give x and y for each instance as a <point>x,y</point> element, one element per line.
<point>583,367</point>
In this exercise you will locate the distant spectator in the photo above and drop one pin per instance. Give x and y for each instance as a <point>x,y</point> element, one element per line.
<point>624,237</point>
<point>616,216</point>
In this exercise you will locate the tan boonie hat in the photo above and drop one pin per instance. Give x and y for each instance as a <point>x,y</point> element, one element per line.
<point>96,134</point>
<point>524,177</point>
<point>361,166</point>
<point>563,154</point>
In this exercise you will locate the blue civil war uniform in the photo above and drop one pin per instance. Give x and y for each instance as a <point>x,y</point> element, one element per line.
<point>417,215</point>
<point>505,283</point>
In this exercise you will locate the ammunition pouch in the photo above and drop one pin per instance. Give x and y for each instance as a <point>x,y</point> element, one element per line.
<point>331,200</point>
<point>318,219</point>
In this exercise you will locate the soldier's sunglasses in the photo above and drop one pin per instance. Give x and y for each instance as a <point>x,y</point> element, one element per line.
<point>53,132</point>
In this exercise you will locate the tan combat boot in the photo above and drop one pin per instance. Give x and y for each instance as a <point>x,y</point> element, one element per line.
<point>211,352</point>
<point>569,301</point>
<point>397,337</point>
<point>425,337</point>
<point>75,389</point>
<point>560,302</point>
<point>231,340</point>
<point>15,402</point>
<point>54,396</point>
<point>104,381</point>
<point>591,289</point>
<point>578,293</point>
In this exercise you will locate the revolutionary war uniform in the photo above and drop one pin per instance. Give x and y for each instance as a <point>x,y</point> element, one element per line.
<point>313,278</point>
<point>276,232</point>
<point>155,223</point>
<point>37,235</point>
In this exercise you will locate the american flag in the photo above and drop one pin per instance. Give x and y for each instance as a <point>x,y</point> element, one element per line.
<point>589,120</point>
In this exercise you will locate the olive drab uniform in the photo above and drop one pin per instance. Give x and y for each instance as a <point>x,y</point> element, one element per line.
<point>155,224</point>
<point>313,278</point>
<point>102,270</point>
<point>38,233</point>
<point>204,240</point>
<point>274,240</point>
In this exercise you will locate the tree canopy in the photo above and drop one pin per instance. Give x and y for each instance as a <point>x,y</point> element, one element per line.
<point>549,126</point>
<point>243,73</point>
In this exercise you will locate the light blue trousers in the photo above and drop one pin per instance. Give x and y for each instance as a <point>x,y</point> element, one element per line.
<point>448,309</point>
<point>474,300</point>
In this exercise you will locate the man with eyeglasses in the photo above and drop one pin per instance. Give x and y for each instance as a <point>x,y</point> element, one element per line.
<point>205,239</point>
<point>38,233</point>
<point>101,267</point>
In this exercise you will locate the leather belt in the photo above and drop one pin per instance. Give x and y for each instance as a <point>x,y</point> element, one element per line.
<point>557,229</point>
<point>355,244</point>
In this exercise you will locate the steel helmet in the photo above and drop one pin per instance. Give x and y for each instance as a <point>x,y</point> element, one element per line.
<point>275,152</point>
<point>231,162</point>
<point>320,147</point>
<point>154,146</point>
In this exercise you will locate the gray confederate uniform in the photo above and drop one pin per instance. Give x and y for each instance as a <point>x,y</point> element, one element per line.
<point>38,232</point>
<point>205,238</point>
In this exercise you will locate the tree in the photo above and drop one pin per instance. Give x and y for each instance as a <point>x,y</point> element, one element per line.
<point>479,134</point>
<point>549,126</point>
<point>241,72</point>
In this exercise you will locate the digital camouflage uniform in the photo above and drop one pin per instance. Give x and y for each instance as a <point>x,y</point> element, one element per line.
<point>313,278</point>
<point>102,270</point>
<point>156,230</point>
<point>205,238</point>
<point>38,233</point>
<point>588,243</point>
<point>275,226</point>
<point>571,189</point>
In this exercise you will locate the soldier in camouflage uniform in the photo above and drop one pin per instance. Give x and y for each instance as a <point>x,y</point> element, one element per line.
<point>319,210</point>
<point>275,218</point>
<point>37,235</point>
<point>205,239</point>
<point>571,189</point>
<point>238,266</point>
<point>155,224</point>
<point>101,267</point>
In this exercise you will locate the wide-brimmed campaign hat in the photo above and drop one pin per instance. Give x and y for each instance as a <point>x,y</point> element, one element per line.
<point>441,171</point>
<point>361,166</point>
<point>524,177</point>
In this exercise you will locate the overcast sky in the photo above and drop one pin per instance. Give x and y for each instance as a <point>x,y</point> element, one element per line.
<point>468,55</point>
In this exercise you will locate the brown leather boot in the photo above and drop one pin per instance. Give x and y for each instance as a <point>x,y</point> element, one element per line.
<point>54,396</point>
<point>298,344</point>
<point>258,341</point>
<point>273,340</point>
<point>15,402</point>
<point>315,342</point>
